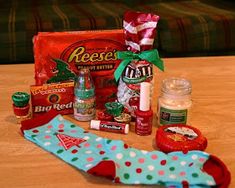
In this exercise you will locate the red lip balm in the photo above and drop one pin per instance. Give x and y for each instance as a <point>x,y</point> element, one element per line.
<point>144,114</point>
<point>109,126</point>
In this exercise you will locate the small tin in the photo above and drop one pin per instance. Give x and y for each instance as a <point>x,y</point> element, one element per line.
<point>123,118</point>
<point>179,137</point>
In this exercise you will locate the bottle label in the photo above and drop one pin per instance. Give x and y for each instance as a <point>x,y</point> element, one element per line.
<point>84,110</point>
<point>144,125</point>
<point>169,116</point>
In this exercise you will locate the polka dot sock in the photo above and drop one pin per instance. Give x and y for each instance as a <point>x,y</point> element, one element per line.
<point>116,160</point>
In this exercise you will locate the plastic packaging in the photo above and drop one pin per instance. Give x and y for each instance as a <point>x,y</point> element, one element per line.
<point>60,55</point>
<point>136,67</point>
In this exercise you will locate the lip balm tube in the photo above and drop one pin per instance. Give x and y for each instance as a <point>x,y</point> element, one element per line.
<point>110,126</point>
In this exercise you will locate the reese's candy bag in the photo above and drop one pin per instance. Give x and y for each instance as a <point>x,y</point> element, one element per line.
<point>59,56</point>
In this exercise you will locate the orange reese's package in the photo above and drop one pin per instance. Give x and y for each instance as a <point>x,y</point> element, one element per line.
<point>59,56</point>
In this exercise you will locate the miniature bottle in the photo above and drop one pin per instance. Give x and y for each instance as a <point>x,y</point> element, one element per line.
<point>144,114</point>
<point>84,101</point>
<point>174,102</point>
<point>21,106</point>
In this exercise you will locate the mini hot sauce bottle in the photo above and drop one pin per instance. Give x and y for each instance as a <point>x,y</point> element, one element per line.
<point>84,91</point>
<point>144,114</point>
<point>21,106</point>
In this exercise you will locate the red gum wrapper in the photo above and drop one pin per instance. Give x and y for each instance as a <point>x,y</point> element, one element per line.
<point>139,30</point>
<point>57,97</point>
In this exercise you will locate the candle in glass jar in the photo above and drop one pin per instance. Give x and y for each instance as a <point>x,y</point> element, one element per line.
<point>175,102</point>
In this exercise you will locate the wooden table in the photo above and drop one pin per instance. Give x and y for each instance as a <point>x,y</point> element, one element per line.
<point>23,164</point>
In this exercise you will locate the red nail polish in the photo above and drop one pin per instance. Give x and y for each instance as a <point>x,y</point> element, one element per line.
<point>144,114</point>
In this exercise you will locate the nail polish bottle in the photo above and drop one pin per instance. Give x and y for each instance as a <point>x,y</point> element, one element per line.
<point>144,114</point>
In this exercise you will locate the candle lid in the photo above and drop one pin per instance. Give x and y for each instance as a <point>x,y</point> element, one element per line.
<point>20,99</point>
<point>176,86</point>
<point>179,137</point>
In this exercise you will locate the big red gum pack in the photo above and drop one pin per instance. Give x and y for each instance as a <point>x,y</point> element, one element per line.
<point>62,54</point>
<point>55,96</point>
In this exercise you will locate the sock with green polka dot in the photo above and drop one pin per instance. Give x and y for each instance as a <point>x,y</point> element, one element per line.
<point>120,162</point>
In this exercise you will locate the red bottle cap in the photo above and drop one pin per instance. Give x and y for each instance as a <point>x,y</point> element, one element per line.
<point>179,137</point>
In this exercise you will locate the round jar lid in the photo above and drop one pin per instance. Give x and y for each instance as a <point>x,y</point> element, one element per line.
<point>176,86</point>
<point>20,99</point>
<point>179,137</point>
<point>123,118</point>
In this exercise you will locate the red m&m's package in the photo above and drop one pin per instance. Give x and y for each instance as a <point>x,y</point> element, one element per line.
<point>57,96</point>
<point>136,67</point>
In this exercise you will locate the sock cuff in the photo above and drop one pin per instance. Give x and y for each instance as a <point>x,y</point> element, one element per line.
<point>217,169</point>
<point>37,121</point>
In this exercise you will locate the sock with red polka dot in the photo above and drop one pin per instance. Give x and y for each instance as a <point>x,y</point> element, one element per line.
<point>120,162</point>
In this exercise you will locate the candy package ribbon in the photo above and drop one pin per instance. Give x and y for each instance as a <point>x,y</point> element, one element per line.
<point>118,161</point>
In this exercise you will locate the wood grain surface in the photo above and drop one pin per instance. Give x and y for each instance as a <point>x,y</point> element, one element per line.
<point>23,164</point>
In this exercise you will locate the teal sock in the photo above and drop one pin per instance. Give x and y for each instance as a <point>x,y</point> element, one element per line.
<point>116,160</point>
